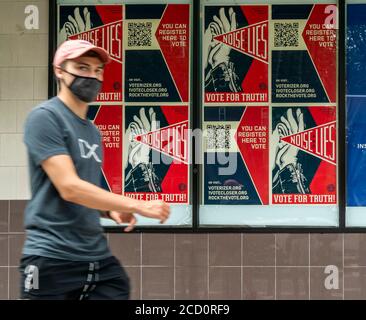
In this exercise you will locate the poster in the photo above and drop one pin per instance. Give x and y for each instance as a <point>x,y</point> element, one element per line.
<point>150,50</point>
<point>157,46</point>
<point>304,54</point>
<point>156,153</point>
<point>304,155</point>
<point>269,112</point>
<point>235,56</point>
<point>356,105</point>
<point>236,144</point>
<point>101,25</point>
<point>250,161</point>
<point>108,119</point>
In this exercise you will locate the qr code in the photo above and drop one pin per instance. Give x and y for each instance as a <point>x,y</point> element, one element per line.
<point>286,34</point>
<point>139,34</point>
<point>218,136</point>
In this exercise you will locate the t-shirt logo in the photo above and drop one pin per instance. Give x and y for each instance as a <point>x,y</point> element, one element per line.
<point>87,151</point>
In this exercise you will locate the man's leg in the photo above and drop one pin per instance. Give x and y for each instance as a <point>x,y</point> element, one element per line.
<point>113,289</point>
<point>111,281</point>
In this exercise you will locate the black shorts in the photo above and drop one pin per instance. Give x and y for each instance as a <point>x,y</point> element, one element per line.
<point>55,279</point>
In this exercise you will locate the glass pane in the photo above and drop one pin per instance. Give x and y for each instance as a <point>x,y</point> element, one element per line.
<point>143,110</point>
<point>269,113</point>
<point>356,113</point>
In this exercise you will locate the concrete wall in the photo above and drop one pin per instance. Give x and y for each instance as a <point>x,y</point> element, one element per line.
<point>23,83</point>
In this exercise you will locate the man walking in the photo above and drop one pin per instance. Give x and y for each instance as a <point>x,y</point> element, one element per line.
<point>66,255</point>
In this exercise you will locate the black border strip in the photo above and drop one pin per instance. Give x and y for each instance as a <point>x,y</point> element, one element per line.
<point>196,123</point>
<point>196,112</point>
<point>342,114</point>
<point>52,45</point>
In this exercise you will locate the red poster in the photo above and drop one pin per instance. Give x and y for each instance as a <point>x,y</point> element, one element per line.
<point>304,155</point>
<point>156,153</point>
<point>157,49</point>
<point>235,54</point>
<point>236,155</point>
<point>304,64</point>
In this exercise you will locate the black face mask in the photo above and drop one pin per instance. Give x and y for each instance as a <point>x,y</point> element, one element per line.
<point>85,88</point>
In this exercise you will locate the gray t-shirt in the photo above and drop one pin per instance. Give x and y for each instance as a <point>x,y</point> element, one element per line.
<point>56,228</point>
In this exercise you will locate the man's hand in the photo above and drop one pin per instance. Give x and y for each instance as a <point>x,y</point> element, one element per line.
<point>156,209</point>
<point>123,217</point>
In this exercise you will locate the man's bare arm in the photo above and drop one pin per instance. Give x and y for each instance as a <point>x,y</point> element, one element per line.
<point>61,171</point>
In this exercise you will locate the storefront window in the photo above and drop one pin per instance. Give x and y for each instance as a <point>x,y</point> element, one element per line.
<point>143,111</point>
<point>265,123</point>
<point>269,113</point>
<point>356,114</point>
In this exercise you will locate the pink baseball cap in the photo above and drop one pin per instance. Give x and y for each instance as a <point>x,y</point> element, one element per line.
<point>72,49</point>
